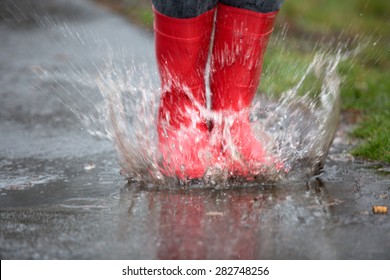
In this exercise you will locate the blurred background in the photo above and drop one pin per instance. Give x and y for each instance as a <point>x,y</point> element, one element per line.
<point>358,27</point>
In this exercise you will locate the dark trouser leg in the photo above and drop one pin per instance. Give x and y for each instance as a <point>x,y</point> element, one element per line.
<point>183,8</point>
<point>262,6</point>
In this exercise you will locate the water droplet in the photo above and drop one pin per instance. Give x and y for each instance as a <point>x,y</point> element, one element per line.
<point>89,166</point>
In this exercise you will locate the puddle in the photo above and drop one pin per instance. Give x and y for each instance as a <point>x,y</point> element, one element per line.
<point>74,203</point>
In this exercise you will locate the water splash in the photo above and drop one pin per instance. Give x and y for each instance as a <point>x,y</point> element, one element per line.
<point>304,126</point>
<point>297,128</point>
<point>131,100</point>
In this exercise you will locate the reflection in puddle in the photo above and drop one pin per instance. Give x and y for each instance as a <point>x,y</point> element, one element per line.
<point>236,223</point>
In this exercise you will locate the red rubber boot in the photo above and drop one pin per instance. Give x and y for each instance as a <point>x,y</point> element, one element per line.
<point>182,47</point>
<point>241,37</point>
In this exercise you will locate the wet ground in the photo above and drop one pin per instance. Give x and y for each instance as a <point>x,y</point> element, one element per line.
<point>62,197</point>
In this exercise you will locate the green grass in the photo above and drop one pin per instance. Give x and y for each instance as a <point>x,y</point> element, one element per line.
<point>283,67</point>
<point>144,16</point>
<point>365,88</point>
<point>376,145</point>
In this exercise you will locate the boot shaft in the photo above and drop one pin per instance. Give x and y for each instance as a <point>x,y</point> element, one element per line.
<point>182,47</point>
<point>240,40</point>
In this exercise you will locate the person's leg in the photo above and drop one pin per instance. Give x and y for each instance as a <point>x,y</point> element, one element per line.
<point>261,6</point>
<point>183,8</point>
<point>182,46</point>
<point>241,37</point>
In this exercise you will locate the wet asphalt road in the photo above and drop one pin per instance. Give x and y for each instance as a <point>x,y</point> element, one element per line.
<point>61,194</point>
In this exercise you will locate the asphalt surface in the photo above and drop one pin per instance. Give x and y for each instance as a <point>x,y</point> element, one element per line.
<point>62,195</point>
